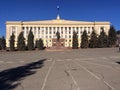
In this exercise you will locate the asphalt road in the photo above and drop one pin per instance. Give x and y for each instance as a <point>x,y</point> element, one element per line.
<point>83,69</point>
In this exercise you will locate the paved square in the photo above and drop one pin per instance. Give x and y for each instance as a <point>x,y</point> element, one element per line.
<point>83,69</point>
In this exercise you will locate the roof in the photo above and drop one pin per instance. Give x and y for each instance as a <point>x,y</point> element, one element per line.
<point>56,21</point>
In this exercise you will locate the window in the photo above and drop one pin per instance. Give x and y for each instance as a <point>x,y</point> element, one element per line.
<point>14,29</point>
<point>102,28</point>
<point>62,32</point>
<point>69,36</point>
<point>50,28</point>
<point>54,32</point>
<point>70,32</point>
<point>46,31</point>
<point>61,28</point>
<point>65,36</point>
<point>27,28</point>
<point>50,32</point>
<point>88,31</point>
<point>39,31</point>
<point>23,28</point>
<point>65,31</point>
<point>30,28</point>
<point>73,28</point>
<point>77,28</point>
<point>69,28</point>
<point>42,31</point>
<point>46,28</point>
<point>34,28</point>
<point>81,31</point>
<point>53,28</point>
<point>57,28</point>
<point>38,28</point>
<point>65,28</point>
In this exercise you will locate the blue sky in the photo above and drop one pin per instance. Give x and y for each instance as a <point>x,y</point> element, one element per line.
<point>82,10</point>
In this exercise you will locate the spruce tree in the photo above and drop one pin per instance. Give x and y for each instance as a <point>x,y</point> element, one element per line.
<point>103,40</point>
<point>112,36</point>
<point>21,42</point>
<point>75,41</point>
<point>36,43</point>
<point>3,43</point>
<point>12,42</point>
<point>30,43</point>
<point>40,44</point>
<point>84,40</point>
<point>93,40</point>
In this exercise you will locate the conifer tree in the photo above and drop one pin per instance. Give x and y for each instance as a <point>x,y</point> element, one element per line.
<point>36,43</point>
<point>3,43</point>
<point>30,43</point>
<point>75,41</point>
<point>112,36</point>
<point>21,42</point>
<point>12,42</point>
<point>93,40</point>
<point>84,40</point>
<point>103,40</point>
<point>40,44</point>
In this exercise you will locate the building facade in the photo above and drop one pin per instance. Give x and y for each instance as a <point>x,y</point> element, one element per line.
<point>47,30</point>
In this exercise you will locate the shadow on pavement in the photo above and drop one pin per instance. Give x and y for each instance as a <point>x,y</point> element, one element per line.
<point>9,79</point>
<point>118,62</point>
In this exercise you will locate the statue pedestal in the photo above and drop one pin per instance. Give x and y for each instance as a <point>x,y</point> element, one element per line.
<point>58,44</point>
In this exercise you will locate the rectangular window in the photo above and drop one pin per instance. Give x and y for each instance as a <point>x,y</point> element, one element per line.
<point>65,31</point>
<point>69,28</point>
<point>30,28</point>
<point>23,28</point>
<point>42,31</point>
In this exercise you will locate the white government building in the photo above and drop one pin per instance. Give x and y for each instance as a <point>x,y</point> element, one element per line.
<point>47,29</point>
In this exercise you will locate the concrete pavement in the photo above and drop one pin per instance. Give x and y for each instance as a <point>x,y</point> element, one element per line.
<point>83,69</point>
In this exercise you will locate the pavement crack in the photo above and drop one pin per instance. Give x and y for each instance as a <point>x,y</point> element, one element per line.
<point>66,72</point>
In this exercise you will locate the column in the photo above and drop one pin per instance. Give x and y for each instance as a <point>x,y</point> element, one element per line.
<point>87,30</point>
<point>63,32</point>
<point>48,32</point>
<point>10,31</point>
<point>40,32</point>
<point>78,32</point>
<point>36,32</point>
<point>25,30</point>
<point>67,32</point>
<point>44,32</point>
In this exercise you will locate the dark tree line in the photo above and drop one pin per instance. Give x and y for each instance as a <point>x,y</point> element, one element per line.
<point>95,41</point>
<point>22,46</point>
<point>92,41</point>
